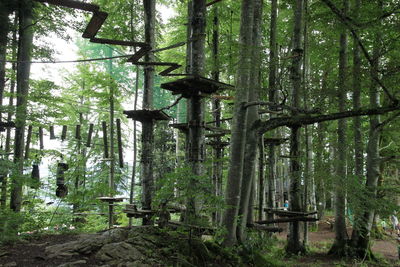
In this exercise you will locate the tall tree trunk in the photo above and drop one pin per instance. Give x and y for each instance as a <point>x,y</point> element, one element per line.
<point>362,236</point>
<point>195,112</point>
<point>147,126</point>
<point>250,153</point>
<point>235,171</point>
<point>294,245</point>
<point>272,97</point>
<point>23,70</point>
<point>358,142</point>
<point>7,150</point>
<point>341,237</point>
<point>217,151</point>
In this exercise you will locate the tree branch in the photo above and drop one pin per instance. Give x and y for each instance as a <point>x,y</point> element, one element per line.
<point>348,22</point>
<point>306,119</point>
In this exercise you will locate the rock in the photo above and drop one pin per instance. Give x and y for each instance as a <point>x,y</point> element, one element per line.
<point>4,253</point>
<point>114,253</point>
<point>10,264</point>
<point>72,264</point>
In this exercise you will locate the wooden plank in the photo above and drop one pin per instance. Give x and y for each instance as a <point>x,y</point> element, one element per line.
<point>119,140</point>
<point>117,42</point>
<point>287,213</point>
<point>111,199</point>
<point>139,54</point>
<point>265,228</point>
<point>291,219</point>
<point>105,142</point>
<point>78,132</point>
<point>95,24</point>
<point>146,115</point>
<point>154,63</point>
<point>52,135</point>
<point>89,137</point>
<point>72,4</point>
<point>170,69</point>
<point>64,133</point>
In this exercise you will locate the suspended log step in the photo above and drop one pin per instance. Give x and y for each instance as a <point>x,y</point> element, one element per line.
<point>290,219</point>
<point>211,135</point>
<point>147,115</point>
<point>287,213</point>
<point>117,42</point>
<point>201,229</point>
<point>275,141</point>
<point>111,199</point>
<point>265,228</point>
<point>195,86</point>
<point>72,4</point>
<point>4,125</point>
<point>216,144</point>
<point>95,24</point>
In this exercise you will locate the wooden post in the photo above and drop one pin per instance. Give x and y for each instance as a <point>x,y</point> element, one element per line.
<point>119,139</point>
<point>89,137</point>
<point>64,133</point>
<point>28,142</point>
<point>105,142</point>
<point>52,135</point>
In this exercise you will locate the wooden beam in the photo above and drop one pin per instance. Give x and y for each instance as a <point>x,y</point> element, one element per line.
<point>72,4</point>
<point>212,2</point>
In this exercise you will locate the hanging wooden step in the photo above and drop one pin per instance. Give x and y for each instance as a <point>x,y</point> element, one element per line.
<point>111,199</point>
<point>288,213</point>
<point>4,125</point>
<point>216,144</point>
<point>95,24</point>
<point>195,86</point>
<point>147,115</point>
<point>117,42</point>
<point>72,4</point>
<point>291,219</point>
<point>213,135</point>
<point>275,141</point>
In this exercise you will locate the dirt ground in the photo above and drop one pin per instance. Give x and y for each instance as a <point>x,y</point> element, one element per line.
<point>322,239</point>
<point>32,253</point>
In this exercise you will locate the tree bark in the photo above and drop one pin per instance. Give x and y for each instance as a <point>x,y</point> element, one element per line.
<point>195,106</point>
<point>23,70</point>
<point>4,183</point>
<point>341,237</point>
<point>364,224</point>
<point>238,137</point>
<point>272,97</point>
<point>250,153</point>
<point>147,126</point>
<point>294,246</point>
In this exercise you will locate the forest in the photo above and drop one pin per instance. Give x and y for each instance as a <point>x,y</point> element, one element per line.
<point>199,133</point>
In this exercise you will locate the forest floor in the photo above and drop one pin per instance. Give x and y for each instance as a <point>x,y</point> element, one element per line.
<point>157,248</point>
<point>321,240</point>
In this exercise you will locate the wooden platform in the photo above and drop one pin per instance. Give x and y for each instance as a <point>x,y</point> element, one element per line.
<point>147,115</point>
<point>287,213</point>
<point>195,86</point>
